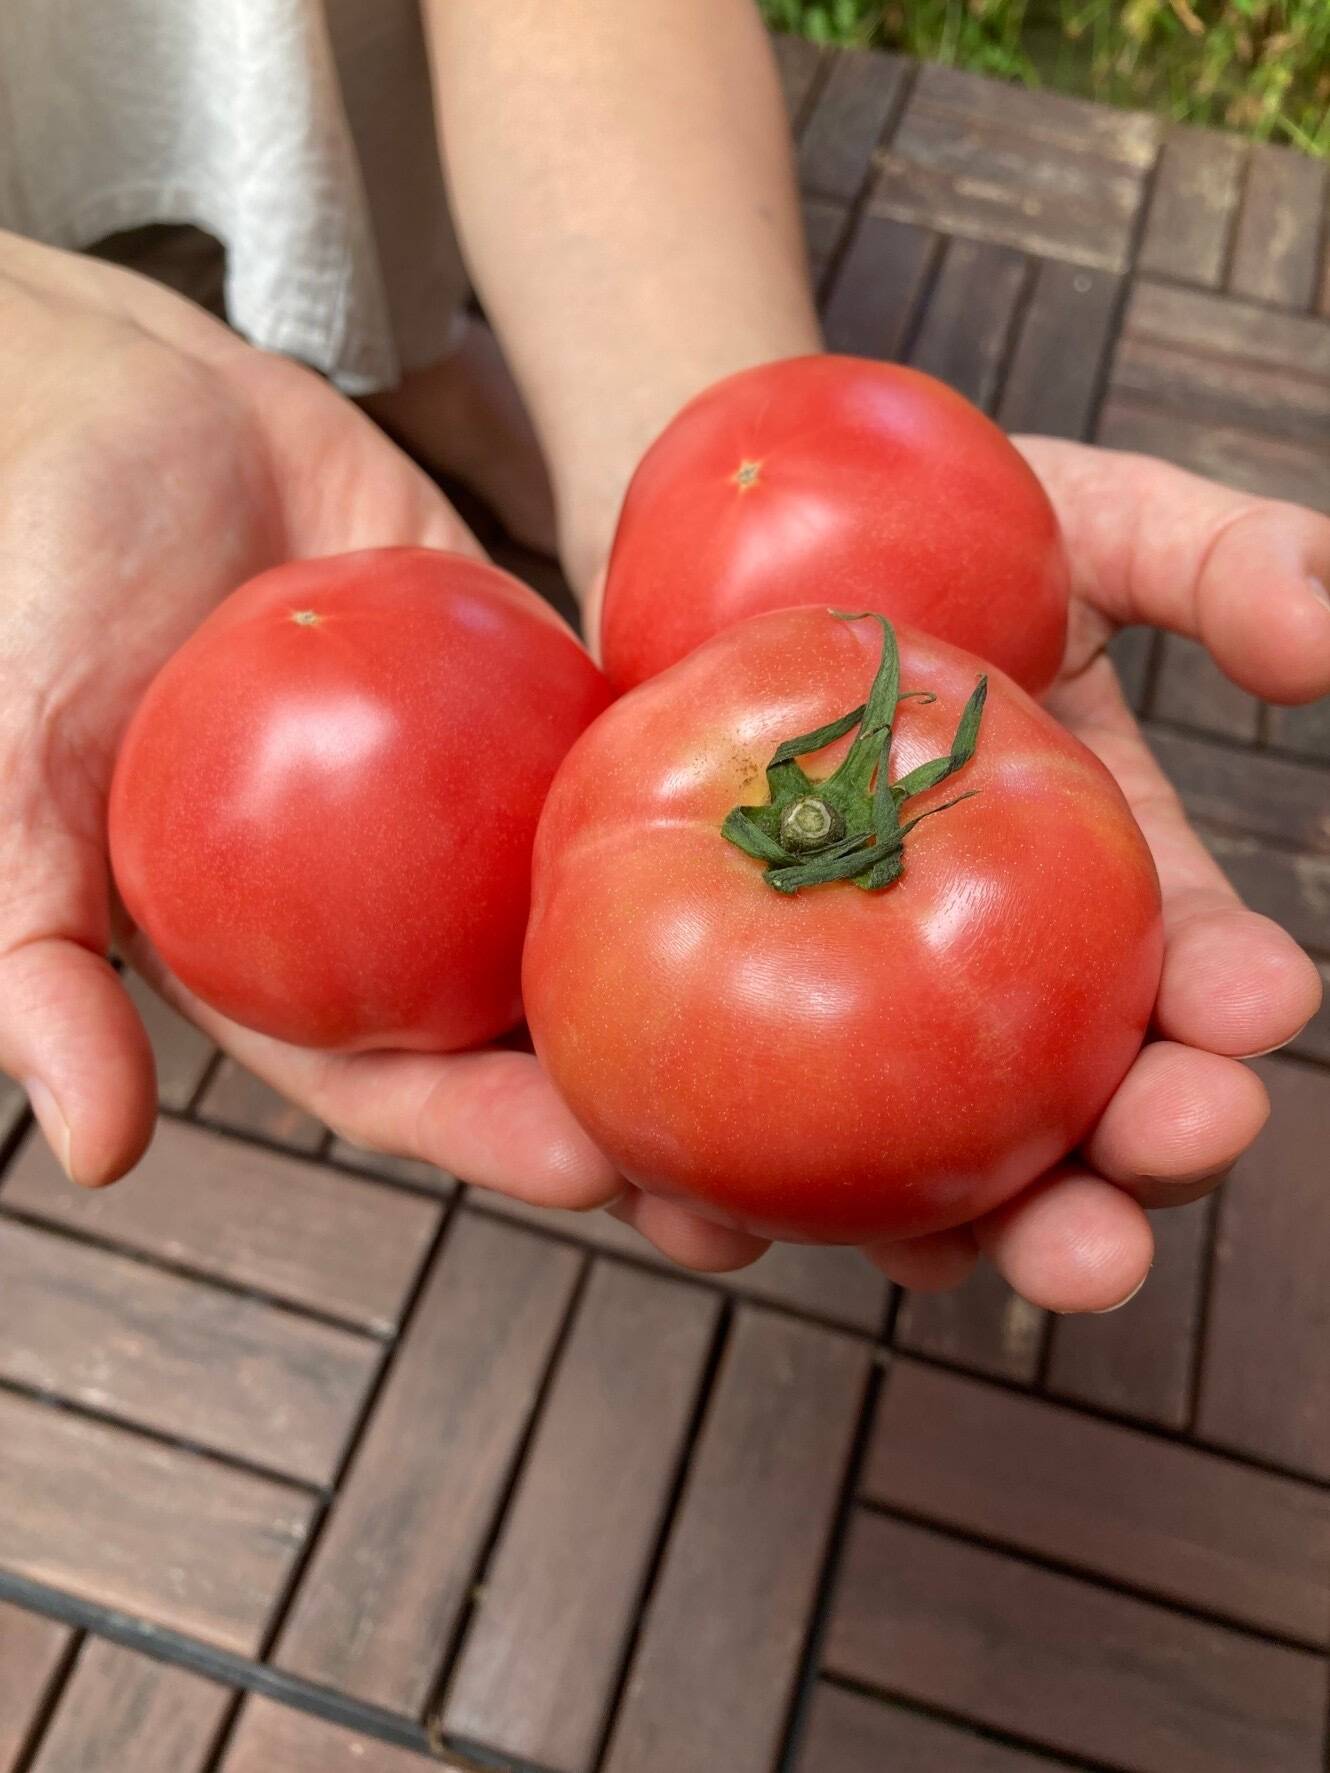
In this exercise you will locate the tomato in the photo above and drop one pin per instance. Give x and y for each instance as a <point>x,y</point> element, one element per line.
<point>323,810</point>
<point>843,1059</point>
<point>837,480</point>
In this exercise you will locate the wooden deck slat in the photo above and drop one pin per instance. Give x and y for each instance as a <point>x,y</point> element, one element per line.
<point>797,61</point>
<point>271,1738</point>
<point>119,1710</point>
<point>1128,139</point>
<point>1287,402</point>
<point>1170,1520</point>
<point>1058,362</point>
<point>711,1681</point>
<point>181,1357</point>
<point>1265,1382</point>
<point>1193,207</point>
<point>824,223</point>
<point>1305,729</point>
<point>238,1100</point>
<point>1064,1664</point>
<point>1138,1360</point>
<point>13,1106</point>
<point>143,1528</point>
<point>1193,691</point>
<point>1248,335</point>
<point>1252,461</point>
<point>303,1233</point>
<point>542,1654</point>
<point>1266,796</point>
<point>392,1169</point>
<point>1277,247</point>
<point>983,1325</point>
<point>182,1053</point>
<point>856,103</point>
<point>1293,889</point>
<point>967,327</point>
<point>850,1732</point>
<point>875,296</point>
<point>32,1651</point>
<point>393,1568</point>
<point>1132,651</point>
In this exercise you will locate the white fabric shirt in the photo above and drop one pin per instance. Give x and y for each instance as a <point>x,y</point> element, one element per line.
<point>299,132</point>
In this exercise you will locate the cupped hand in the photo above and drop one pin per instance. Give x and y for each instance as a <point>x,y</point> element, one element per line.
<point>150,461</point>
<point>1247,577</point>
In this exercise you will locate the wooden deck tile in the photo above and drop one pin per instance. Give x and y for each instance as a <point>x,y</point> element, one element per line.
<point>797,61</point>
<point>1265,1380</point>
<point>1293,889</point>
<point>1272,797</point>
<point>850,1732</point>
<point>13,1106</point>
<point>983,1325</point>
<point>272,1738</point>
<point>1193,206</point>
<point>394,1566</point>
<point>1251,461</point>
<point>968,325</point>
<point>392,1169</point>
<point>1138,1360</point>
<point>1064,1664</point>
<point>182,1053</point>
<point>119,1710</point>
<point>1058,363</point>
<point>181,1357</point>
<point>303,1233</point>
<point>858,99</point>
<point>711,1681</point>
<point>32,1654</point>
<point>824,224</point>
<point>238,1100</point>
<point>1193,691</point>
<point>876,295</point>
<point>1132,651</point>
<point>1167,1519</point>
<point>1305,729</point>
<point>1277,248</point>
<point>542,1654</point>
<point>143,1528</point>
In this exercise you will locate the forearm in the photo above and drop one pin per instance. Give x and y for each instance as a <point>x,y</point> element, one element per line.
<point>622,179</point>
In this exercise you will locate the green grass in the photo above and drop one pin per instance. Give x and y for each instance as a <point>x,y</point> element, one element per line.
<point>1258,66</point>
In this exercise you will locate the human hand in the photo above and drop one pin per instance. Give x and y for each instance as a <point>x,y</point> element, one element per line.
<point>150,461</point>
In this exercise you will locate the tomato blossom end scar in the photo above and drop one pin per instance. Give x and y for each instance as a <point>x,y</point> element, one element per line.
<point>746,475</point>
<point>306,618</point>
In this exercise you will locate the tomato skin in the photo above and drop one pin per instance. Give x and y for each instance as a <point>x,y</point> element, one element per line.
<point>324,827</point>
<point>839,1065</point>
<point>874,487</point>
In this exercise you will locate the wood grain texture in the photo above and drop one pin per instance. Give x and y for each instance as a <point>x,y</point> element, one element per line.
<point>797,62</point>
<point>181,1357</point>
<point>119,1710</point>
<point>1252,461</point>
<point>711,1681</point>
<point>32,1653</point>
<point>824,224</point>
<point>143,1528</point>
<point>876,295</point>
<point>238,1100</point>
<point>1273,797</point>
<point>271,1738</point>
<point>1072,126</point>
<point>1138,1360</point>
<point>1191,690</point>
<point>983,1325</point>
<point>390,1168</point>
<point>182,1053</point>
<point>857,101</point>
<point>1276,252</point>
<point>1058,362</point>
<point>967,327</point>
<point>850,1732</point>
<point>1265,1381</point>
<point>1193,206</point>
<point>1305,729</point>
<point>303,1233</point>
<point>13,1106</point>
<point>1212,387</point>
<point>395,1563</point>
<point>1246,333</point>
<point>542,1654</point>
<point>1066,1665</point>
<point>1293,889</point>
<point>1167,1519</point>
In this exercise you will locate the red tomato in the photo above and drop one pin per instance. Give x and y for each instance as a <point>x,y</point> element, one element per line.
<point>323,810</point>
<point>836,480</point>
<point>836,1064</point>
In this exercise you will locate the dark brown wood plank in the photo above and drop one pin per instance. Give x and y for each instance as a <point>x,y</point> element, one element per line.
<point>1305,729</point>
<point>143,1528</point>
<point>390,1168</point>
<point>797,61</point>
<point>1265,796</point>
<point>13,1106</point>
<point>542,1654</point>
<point>876,294</point>
<point>967,328</point>
<point>1314,1040</point>
<point>850,1732</point>
<point>1276,250</point>
<point>1057,366</point>
<point>271,1738</point>
<point>856,103</point>
<point>394,1566</point>
<point>1252,461</point>
<point>32,1653</point>
<point>1070,126</point>
<point>1265,1381</point>
<point>1132,651</point>
<point>243,1103</point>
<point>1061,1663</point>
<point>1139,1360</point>
<point>182,1053</point>
<point>1243,334</point>
<point>1192,209</point>
<point>983,1325</point>
<point>711,1681</point>
<point>1191,690</point>
<point>1161,1517</point>
<point>279,1225</point>
<point>121,1710</point>
<point>1207,386</point>
<point>824,224</point>
<point>1293,889</point>
<point>181,1357</point>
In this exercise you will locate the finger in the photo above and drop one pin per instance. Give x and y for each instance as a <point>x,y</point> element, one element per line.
<point>1179,1120</point>
<point>928,1264</point>
<point>1152,543</point>
<point>685,1238</point>
<point>1071,1243</point>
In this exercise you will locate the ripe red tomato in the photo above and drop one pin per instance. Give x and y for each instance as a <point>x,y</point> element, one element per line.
<point>836,480</point>
<point>323,810</point>
<point>831,1063</point>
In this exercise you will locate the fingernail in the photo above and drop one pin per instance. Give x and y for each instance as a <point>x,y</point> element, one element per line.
<point>51,1120</point>
<point>1317,588</point>
<point>1108,1310</point>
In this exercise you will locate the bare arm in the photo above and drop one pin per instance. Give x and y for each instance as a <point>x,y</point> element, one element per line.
<point>622,178</point>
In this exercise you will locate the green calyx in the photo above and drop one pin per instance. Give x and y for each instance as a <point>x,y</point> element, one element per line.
<point>850,827</point>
